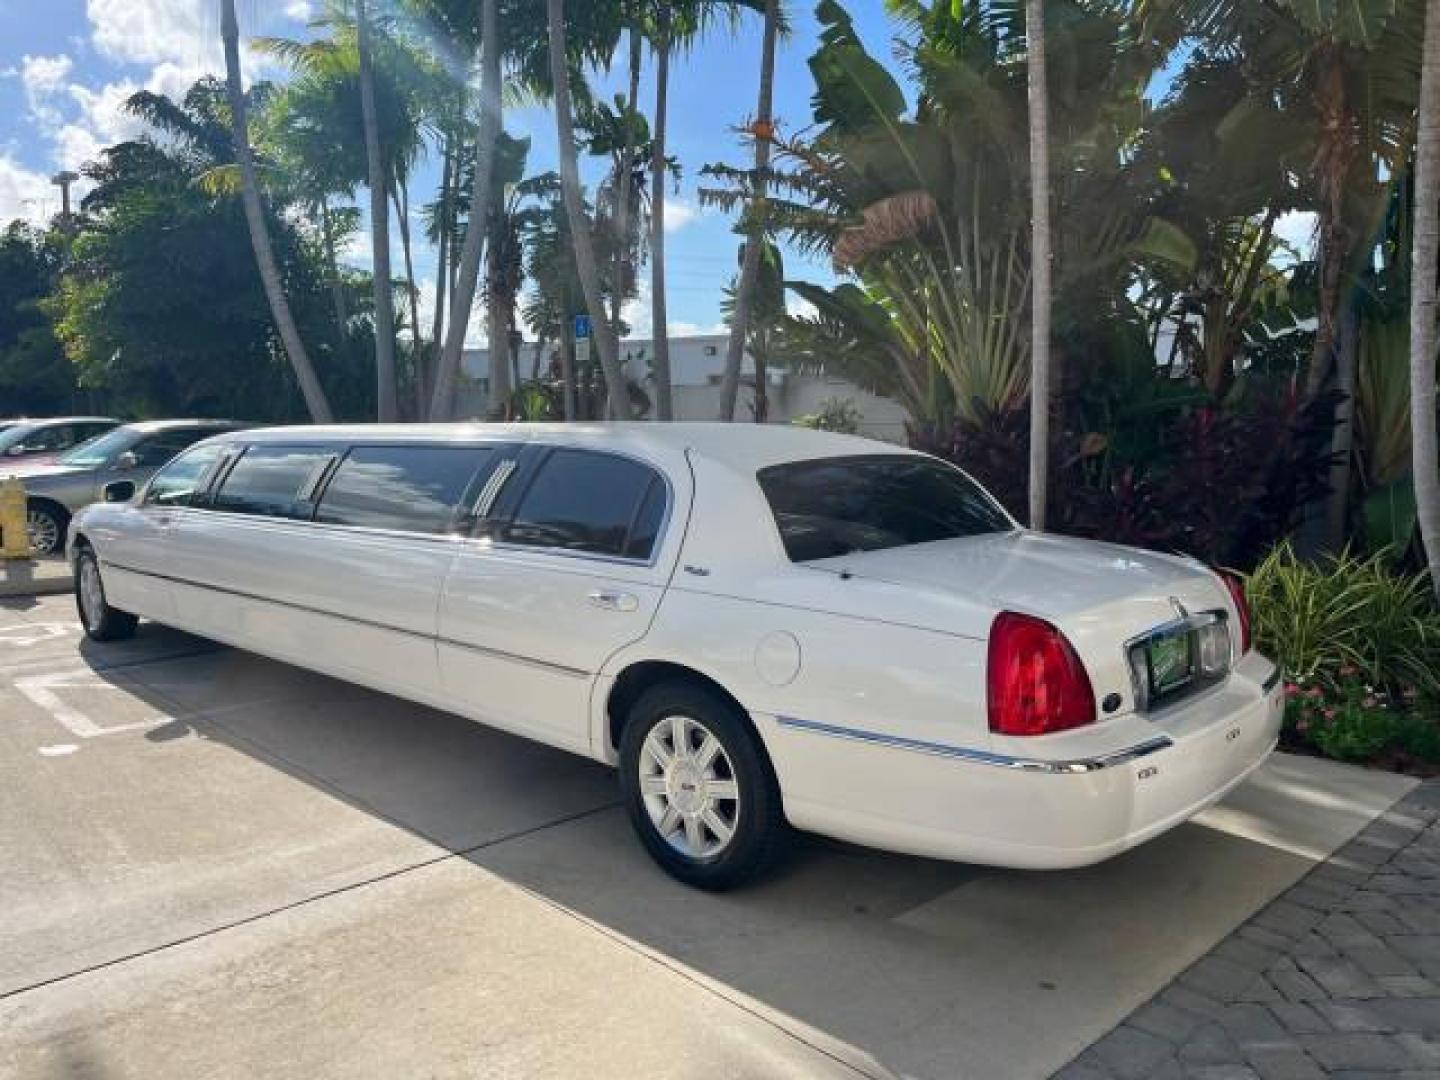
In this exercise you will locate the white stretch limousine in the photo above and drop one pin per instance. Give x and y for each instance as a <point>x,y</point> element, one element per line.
<point>761,626</point>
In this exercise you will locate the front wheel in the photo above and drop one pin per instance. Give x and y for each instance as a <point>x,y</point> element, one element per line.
<point>45,528</point>
<point>698,787</point>
<point>101,621</point>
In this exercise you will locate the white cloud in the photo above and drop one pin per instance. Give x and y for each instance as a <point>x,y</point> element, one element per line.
<point>43,78</point>
<point>299,10</point>
<point>185,32</point>
<point>680,214</point>
<point>101,121</point>
<point>25,194</point>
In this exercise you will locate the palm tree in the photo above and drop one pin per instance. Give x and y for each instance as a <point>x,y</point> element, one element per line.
<point>1039,261</point>
<point>379,227</point>
<point>481,200</point>
<point>763,130</point>
<point>1425,249</point>
<point>659,316</point>
<point>315,399</point>
<point>589,271</point>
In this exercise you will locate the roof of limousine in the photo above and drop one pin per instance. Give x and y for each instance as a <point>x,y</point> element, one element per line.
<point>740,445</point>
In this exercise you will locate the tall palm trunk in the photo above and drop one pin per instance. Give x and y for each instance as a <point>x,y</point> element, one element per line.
<point>401,198</point>
<point>625,180</point>
<point>332,269</point>
<point>442,277</point>
<point>497,319</point>
<point>750,266</point>
<point>462,293</point>
<point>315,400</point>
<point>1425,249</point>
<point>588,270</point>
<point>659,318</point>
<point>385,396</point>
<point>1040,261</point>
<point>1333,159</point>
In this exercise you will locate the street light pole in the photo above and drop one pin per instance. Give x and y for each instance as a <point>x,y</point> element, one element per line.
<point>63,180</point>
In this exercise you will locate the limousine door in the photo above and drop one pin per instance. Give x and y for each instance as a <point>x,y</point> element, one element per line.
<point>571,574</point>
<point>352,592</point>
<point>141,555</point>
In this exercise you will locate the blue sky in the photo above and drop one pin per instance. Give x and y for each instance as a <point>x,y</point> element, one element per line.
<point>66,67</point>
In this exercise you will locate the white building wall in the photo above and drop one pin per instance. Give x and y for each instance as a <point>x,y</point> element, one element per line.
<point>696,365</point>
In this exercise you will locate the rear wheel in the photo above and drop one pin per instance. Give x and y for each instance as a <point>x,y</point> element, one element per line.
<point>45,528</point>
<point>101,621</point>
<point>698,787</point>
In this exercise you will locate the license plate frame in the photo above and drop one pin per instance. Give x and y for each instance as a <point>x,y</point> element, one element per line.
<point>1167,663</point>
<point>1170,662</point>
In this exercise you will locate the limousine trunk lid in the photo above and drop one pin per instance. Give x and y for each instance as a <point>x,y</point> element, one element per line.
<point>1101,596</point>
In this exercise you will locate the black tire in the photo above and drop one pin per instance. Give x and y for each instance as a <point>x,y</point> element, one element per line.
<point>101,621</point>
<point>45,526</point>
<point>759,830</point>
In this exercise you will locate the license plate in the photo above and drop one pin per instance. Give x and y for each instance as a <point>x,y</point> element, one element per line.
<point>1170,661</point>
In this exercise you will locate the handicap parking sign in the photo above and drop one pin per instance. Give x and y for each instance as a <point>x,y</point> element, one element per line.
<point>582,326</point>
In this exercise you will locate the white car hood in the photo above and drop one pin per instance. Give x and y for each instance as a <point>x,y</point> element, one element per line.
<point>1099,595</point>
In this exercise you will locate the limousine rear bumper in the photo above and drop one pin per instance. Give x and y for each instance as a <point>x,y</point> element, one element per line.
<point>1033,812</point>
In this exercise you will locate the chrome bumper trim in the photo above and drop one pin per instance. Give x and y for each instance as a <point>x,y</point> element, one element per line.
<point>982,757</point>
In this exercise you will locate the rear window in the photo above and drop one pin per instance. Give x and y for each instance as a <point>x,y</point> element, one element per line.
<point>835,506</point>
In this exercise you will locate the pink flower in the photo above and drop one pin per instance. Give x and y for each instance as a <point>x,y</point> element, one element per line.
<point>1291,689</point>
<point>1346,670</point>
<point>1315,692</point>
<point>1329,714</point>
<point>1302,726</point>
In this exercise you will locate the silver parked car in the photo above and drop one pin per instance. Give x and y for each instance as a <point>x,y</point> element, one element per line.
<point>78,477</point>
<point>40,442</point>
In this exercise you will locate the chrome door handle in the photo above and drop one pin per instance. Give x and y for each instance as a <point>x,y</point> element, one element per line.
<point>614,601</point>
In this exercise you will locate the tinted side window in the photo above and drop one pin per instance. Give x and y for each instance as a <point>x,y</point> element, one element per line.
<point>60,437</point>
<point>175,484</point>
<point>589,502</point>
<point>158,449</point>
<point>267,480</point>
<point>401,487</point>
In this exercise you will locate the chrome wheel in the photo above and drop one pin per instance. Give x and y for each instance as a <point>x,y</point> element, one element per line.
<point>43,532</point>
<point>689,788</point>
<point>92,593</point>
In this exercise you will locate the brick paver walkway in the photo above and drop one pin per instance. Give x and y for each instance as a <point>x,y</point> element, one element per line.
<point>1338,978</point>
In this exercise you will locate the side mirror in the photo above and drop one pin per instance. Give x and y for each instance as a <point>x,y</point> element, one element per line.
<point>118,491</point>
<point>128,460</point>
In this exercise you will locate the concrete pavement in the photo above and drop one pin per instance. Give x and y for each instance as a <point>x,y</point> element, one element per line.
<point>216,865</point>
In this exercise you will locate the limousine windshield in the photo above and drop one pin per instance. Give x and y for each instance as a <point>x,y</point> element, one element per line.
<point>835,506</point>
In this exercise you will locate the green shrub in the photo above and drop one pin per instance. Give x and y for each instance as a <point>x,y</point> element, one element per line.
<point>1356,722</point>
<point>1319,620</point>
<point>834,414</point>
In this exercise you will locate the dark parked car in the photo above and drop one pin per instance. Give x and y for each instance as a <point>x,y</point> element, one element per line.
<point>39,442</point>
<point>78,477</point>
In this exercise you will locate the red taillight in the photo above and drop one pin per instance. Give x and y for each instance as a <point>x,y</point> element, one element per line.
<point>1036,683</point>
<point>1236,584</point>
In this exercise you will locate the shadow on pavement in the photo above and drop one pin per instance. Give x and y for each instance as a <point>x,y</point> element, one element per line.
<point>921,967</point>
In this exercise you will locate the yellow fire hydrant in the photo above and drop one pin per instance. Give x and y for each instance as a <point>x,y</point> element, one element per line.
<point>14,540</point>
